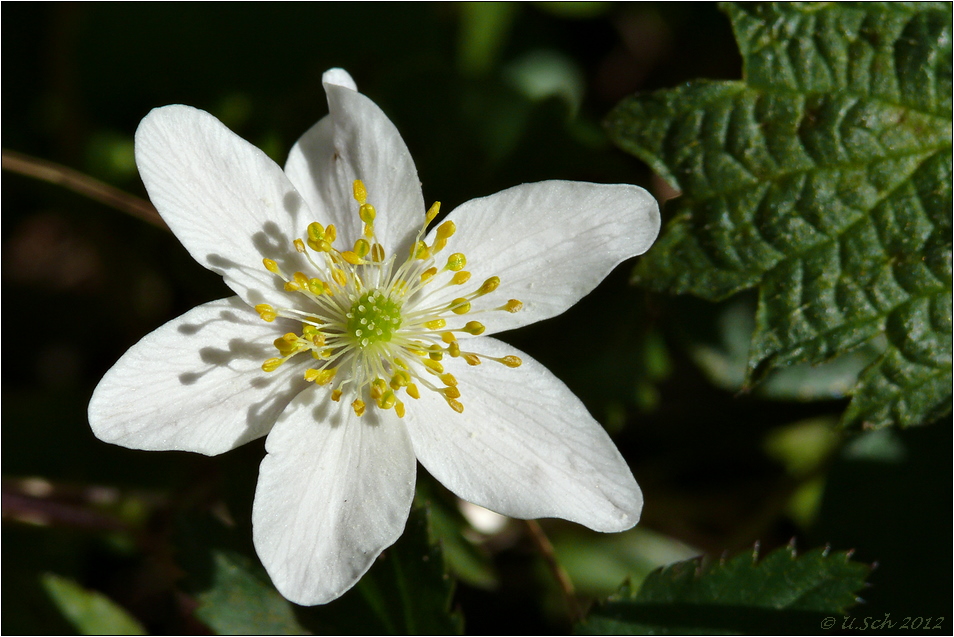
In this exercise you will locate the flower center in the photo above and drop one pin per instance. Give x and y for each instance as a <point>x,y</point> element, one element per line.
<point>372,329</point>
<point>373,319</point>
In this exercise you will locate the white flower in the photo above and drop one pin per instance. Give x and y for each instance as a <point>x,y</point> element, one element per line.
<point>358,345</point>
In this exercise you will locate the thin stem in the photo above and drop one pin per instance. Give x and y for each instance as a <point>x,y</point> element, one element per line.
<point>545,547</point>
<point>83,184</point>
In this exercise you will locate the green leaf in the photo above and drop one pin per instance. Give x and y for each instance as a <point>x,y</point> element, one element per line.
<point>824,180</point>
<point>780,593</point>
<point>90,612</point>
<point>233,593</point>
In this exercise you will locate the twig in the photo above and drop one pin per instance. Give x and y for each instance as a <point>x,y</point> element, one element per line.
<point>82,184</point>
<point>543,545</point>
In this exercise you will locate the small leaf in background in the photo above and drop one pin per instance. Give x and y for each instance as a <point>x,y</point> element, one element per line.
<point>824,179</point>
<point>598,562</point>
<point>465,559</point>
<point>233,593</point>
<point>781,593</point>
<point>90,612</point>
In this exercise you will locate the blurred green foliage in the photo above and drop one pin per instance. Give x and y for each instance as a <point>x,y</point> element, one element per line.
<point>486,95</point>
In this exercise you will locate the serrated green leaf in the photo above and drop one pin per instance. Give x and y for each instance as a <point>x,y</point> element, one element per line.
<point>780,593</point>
<point>824,179</point>
<point>90,612</point>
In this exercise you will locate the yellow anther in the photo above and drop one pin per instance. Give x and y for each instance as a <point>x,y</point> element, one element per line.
<point>300,279</point>
<point>472,359</point>
<point>378,388</point>
<point>413,391</point>
<point>460,277</point>
<point>400,379</point>
<point>299,245</point>
<point>387,400</point>
<point>331,233</point>
<point>272,364</point>
<point>351,258</point>
<point>454,350</point>
<point>512,306</point>
<point>432,212</point>
<point>320,376</point>
<point>362,248</point>
<point>456,406</point>
<point>456,262</point>
<point>399,409</point>
<point>367,213</point>
<point>433,365</point>
<point>428,273</point>
<point>420,251</point>
<point>446,230</point>
<point>266,311</point>
<point>448,337</point>
<point>339,276</point>
<point>439,244</point>
<point>400,362</point>
<point>287,344</point>
<point>450,392</point>
<point>377,253</point>
<point>448,379</point>
<point>436,353</point>
<point>360,192</point>
<point>316,231</point>
<point>489,285</point>
<point>475,328</point>
<point>316,286</point>
<point>336,395</point>
<point>358,406</point>
<point>319,245</point>
<point>271,266</point>
<point>436,324</point>
<point>510,361</point>
<point>460,306</point>
<point>291,286</point>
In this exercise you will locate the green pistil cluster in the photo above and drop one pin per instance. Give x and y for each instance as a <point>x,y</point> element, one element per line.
<point>374,318</point>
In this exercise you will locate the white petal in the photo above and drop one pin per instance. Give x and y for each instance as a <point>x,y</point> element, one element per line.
<point>524,446</point>
<point>358,141</point>
<point>196,384</point>
<point>333,492</point>
<point>339,77</point>
<point>226,201</point>
<point>550,243</point>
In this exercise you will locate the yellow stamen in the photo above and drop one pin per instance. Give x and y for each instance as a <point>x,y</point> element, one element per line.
<point>432,212</point>
<point>266,311</point>
<point>360,192</point>
<point>460,306</point>
<point>456,262</point>
<point>272,364</point>
<point>475,328</point>
<point>489,285</point>
<point>460,278</point>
